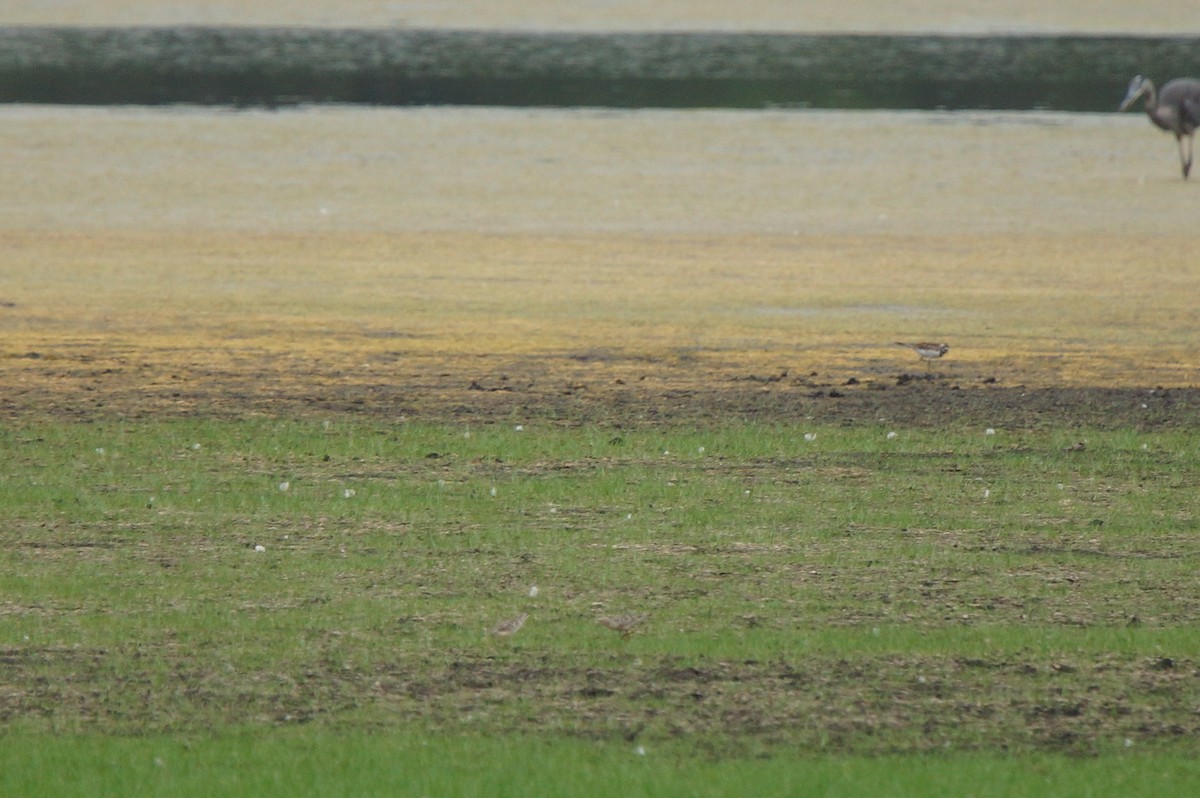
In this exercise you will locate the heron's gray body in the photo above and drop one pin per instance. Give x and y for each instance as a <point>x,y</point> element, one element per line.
<point>1175,109</point>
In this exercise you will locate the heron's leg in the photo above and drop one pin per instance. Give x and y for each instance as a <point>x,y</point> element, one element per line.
<point>1185,157</point>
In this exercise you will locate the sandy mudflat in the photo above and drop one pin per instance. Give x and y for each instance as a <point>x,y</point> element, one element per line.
<point>510,261</point>
<point>1172,17</point>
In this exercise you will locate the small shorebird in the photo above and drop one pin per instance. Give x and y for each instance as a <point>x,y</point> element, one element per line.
<point>510,627</point>
<point>624,624</point>
<point>927,350</point>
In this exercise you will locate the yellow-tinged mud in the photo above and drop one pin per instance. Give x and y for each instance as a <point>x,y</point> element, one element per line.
<point>590,328</point>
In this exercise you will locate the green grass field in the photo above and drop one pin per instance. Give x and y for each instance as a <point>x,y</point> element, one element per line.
<point>402,765</point>
<point>219,607</point>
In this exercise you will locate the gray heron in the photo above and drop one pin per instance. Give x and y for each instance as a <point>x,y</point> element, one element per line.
<point>1175,109</point>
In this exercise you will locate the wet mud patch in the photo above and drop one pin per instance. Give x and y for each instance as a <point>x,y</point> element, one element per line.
<point>594,389</point>
<point>871,705</point>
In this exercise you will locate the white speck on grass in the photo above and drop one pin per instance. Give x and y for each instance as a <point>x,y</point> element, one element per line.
<point>810,436</point>
<point>989,431</point>
<point>628,516</point>
<point>533,592</point>
<point>640,751</point>
<point>986,493</point>
<point>99,450</point>
<point>493,490</point>
<point>260,547</point>
<point>700,450</point>
<point>348,493</point>
<point>519,428</point>
<point>891,436</point>
<point>283,487</point>
<point>1128,743</point>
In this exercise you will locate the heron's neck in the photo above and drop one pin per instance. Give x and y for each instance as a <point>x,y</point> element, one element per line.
<point>1151,98</point>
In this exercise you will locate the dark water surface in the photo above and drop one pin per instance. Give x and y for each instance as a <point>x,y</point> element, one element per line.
<point>279,66</point>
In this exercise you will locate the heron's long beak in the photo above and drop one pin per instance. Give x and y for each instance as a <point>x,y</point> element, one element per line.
<point>1135,91</point>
